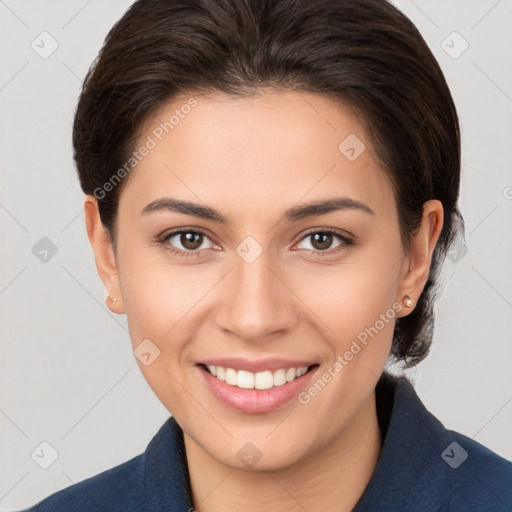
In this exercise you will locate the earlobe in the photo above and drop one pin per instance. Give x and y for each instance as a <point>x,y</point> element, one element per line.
<point>416,271</point>
<point>103,254</point>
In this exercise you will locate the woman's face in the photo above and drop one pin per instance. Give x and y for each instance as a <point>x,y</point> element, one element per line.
<point>257,284</point>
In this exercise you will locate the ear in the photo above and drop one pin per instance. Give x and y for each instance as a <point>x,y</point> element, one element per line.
<point>417,263</point>
<point>103,254</point>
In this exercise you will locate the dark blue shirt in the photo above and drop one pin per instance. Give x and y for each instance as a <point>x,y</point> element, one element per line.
<point>423,467</point>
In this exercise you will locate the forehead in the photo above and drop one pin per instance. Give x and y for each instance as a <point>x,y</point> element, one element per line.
<point>278,147</point>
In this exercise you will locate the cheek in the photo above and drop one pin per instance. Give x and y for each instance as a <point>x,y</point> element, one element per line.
<point>158,294</point>
<point>164,303</point>
<point>159,302</point>
<point>351,297</point>
<point>356,303</point>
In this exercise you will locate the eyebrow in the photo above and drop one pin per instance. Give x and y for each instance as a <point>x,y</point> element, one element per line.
<point>311,209</point>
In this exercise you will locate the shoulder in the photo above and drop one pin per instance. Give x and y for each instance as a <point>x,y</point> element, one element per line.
<point>148,482</point>
<point>457,472</point>
<point>424,466</point>
<point>118,488</point>
<point>474,477</point>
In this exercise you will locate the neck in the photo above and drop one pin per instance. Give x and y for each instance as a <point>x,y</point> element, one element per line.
<point>333,479</point>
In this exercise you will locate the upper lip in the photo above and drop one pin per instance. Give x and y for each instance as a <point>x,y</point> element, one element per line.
<point>238,363</point>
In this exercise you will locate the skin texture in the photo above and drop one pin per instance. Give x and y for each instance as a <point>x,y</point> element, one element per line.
<point>252,159</point>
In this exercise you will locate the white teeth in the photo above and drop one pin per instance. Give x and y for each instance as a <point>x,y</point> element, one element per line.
<point>279,378</point>
<point>231,376</point>
<point>264,380</point>
<point>301,371</point>
<point>290,374</point>
<point>260,380</point>
<point>245,379</point>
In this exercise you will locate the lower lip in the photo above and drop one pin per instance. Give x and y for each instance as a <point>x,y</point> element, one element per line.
<point>256,400</point>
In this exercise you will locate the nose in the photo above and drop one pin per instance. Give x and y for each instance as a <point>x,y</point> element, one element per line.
<point>256,301</point>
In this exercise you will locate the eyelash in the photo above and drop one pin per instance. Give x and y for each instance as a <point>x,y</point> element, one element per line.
<point>163,240</point>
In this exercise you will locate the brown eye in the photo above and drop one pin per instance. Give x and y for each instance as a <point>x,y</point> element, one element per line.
<point>186,241</point>
<point>322,241</point>
<point>191,240</point>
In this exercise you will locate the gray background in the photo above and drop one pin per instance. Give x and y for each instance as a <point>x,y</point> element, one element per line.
<point>68,375</point>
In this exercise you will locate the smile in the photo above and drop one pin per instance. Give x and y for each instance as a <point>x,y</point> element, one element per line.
<point>256,386</point>
<point>260,380</point>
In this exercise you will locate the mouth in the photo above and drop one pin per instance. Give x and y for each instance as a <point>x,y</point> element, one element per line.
<point>266,379</point>
<point>262,391</point>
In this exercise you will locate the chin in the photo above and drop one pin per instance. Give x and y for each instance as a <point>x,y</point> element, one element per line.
<point>259,462</point>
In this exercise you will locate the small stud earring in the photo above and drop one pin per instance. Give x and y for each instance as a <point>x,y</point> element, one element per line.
<point>407,301</point>
<point>113,299</point>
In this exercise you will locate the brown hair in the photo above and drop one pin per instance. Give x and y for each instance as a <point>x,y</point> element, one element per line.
<point>362,53</point>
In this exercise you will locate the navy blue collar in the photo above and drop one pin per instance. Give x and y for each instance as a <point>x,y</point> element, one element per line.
<point>414,471</point>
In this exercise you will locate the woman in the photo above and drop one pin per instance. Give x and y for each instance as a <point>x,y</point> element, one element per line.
<point>271,188</point>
